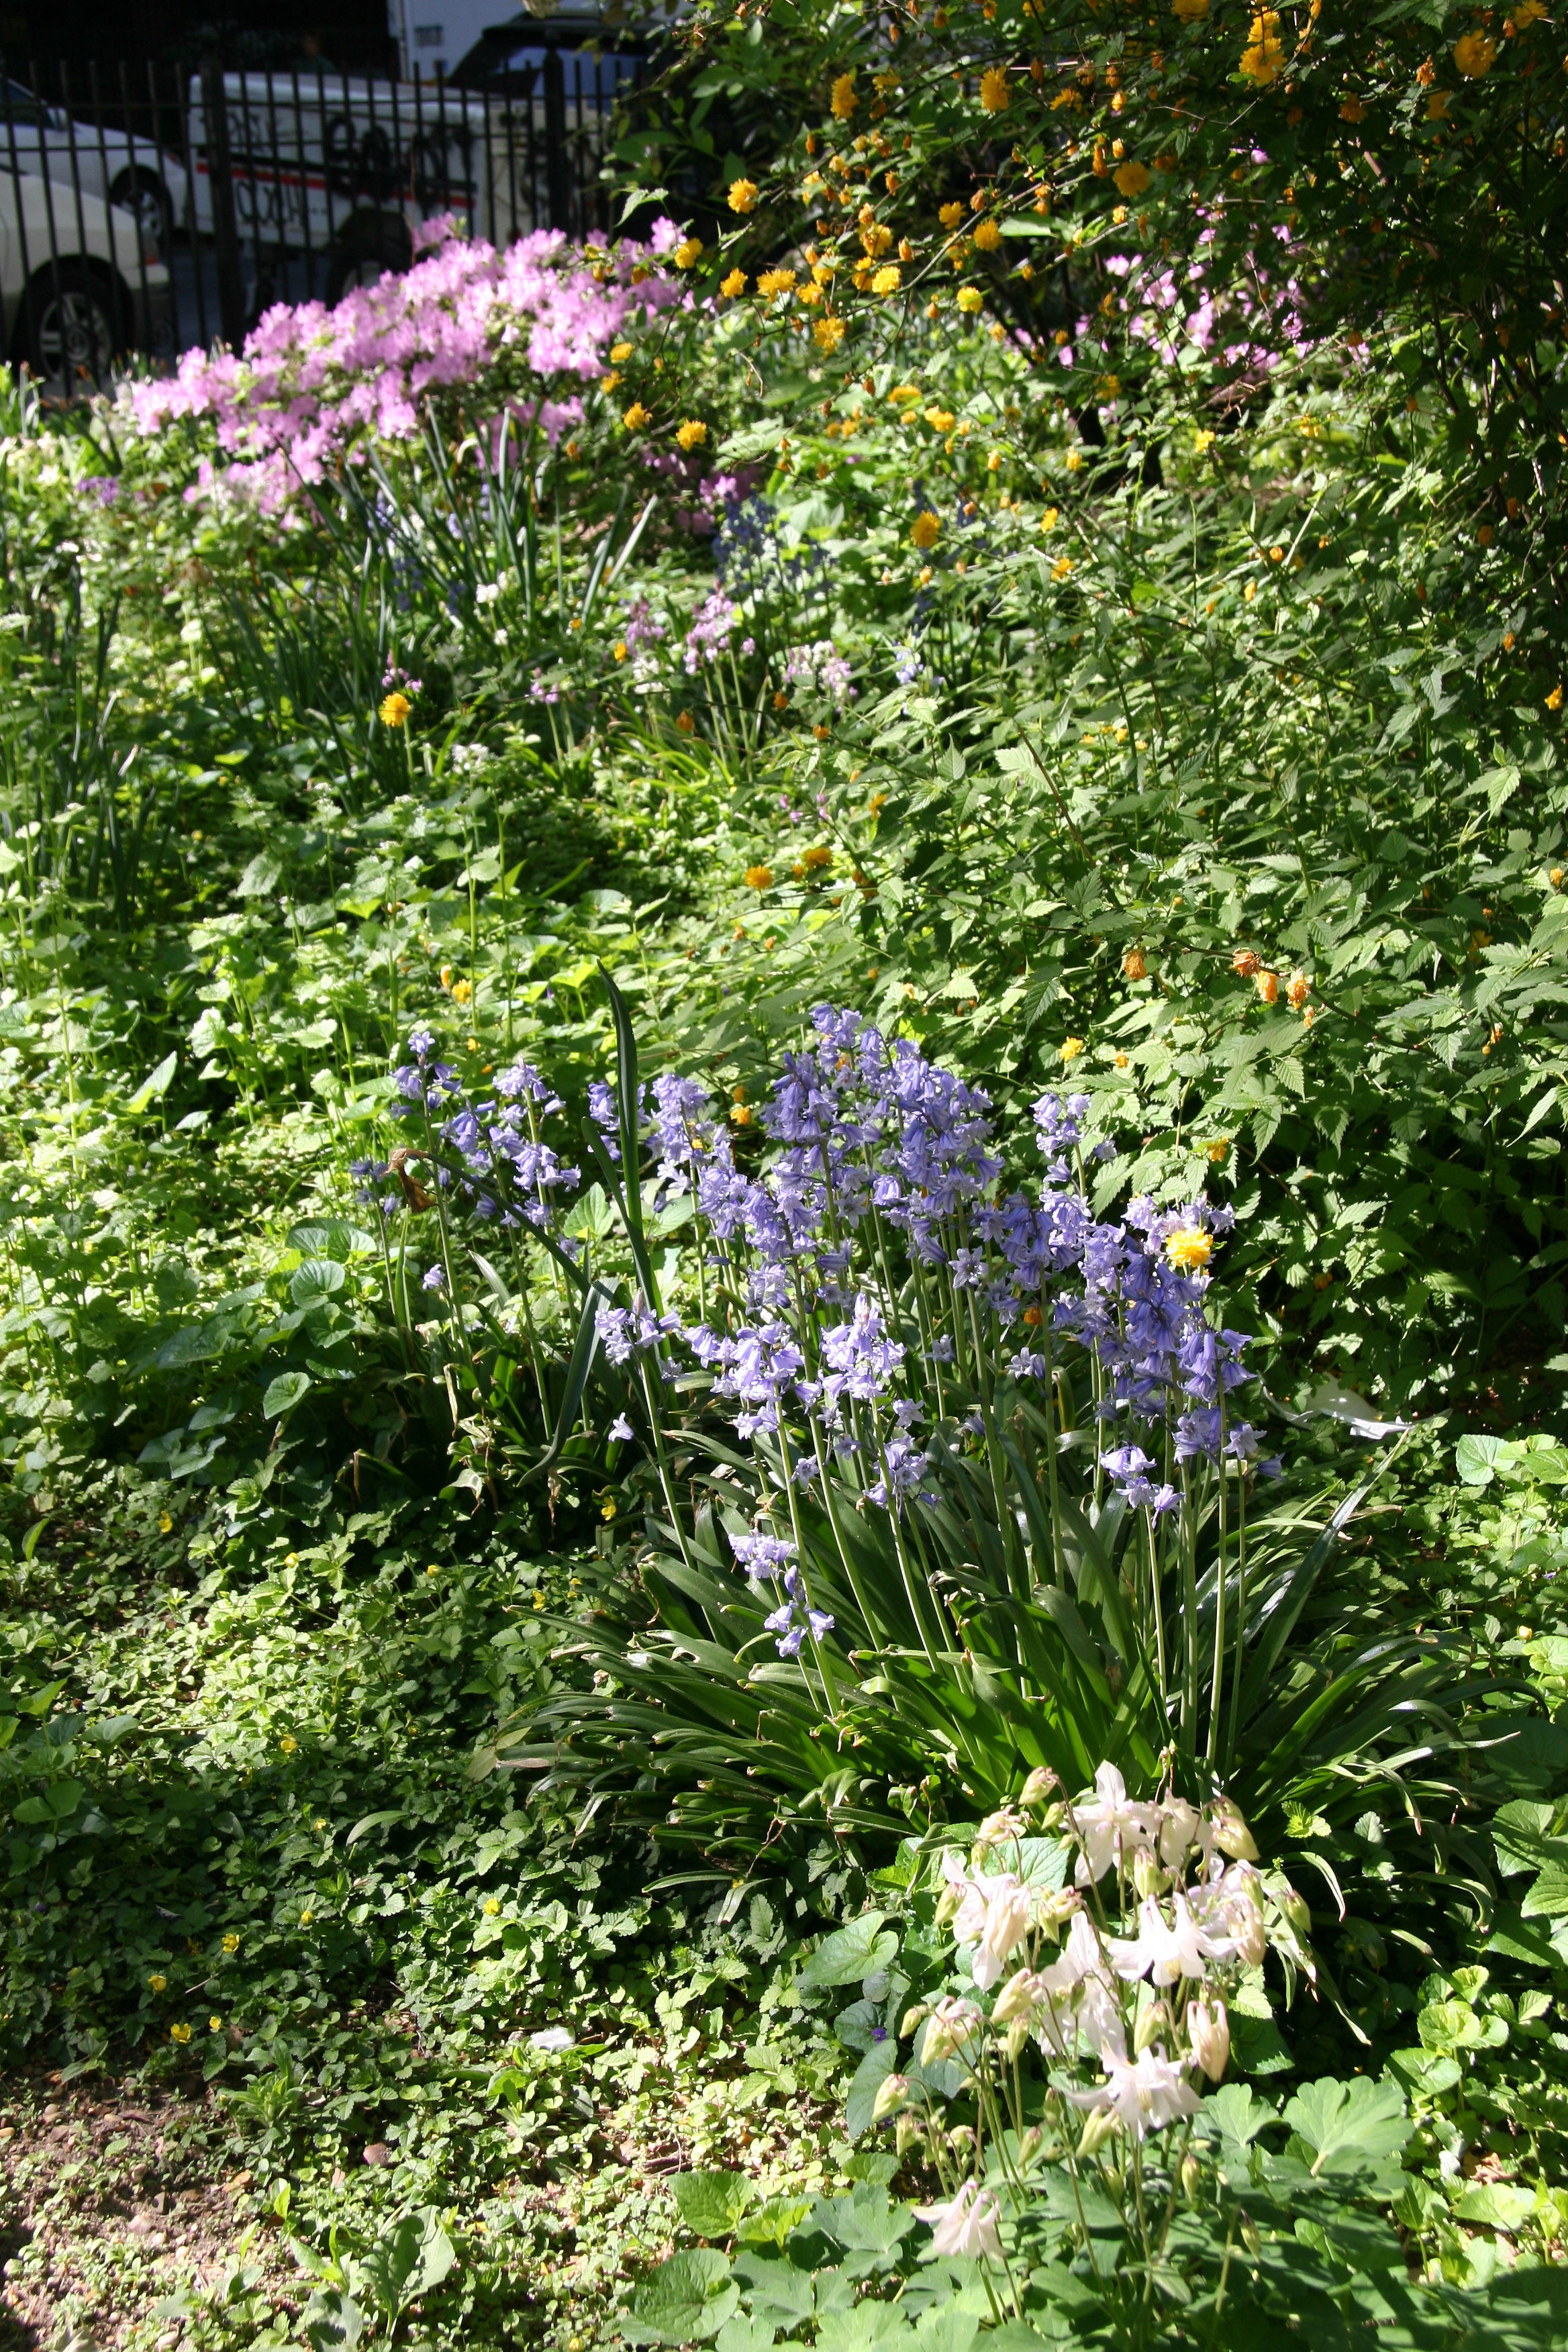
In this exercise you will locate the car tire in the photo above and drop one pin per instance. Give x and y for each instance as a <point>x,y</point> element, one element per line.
<point>364,254</point>
<point>70,326</point>
<point>144,193</point>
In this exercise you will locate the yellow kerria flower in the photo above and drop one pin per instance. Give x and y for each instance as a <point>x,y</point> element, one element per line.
<point>1264,55</point>
<point>994,90</point>
<point>687,253</point>
<point>692,434</point>
<point>395,710</point>
<point>1219,1150</point>
<point>843,100</point>
<point>1555,699</point>
<point>1062,568</point>
<point>829,334</point>
<point>971,299</point>
<point>925,528</point>
<point>1189,1249</point>
<point>951,214</point>
<point>988,236</point>
<point>636,418</point>
<point>941,420</point>
<point>619,351</point>
<point>621,650</point>
<point>742,196</point>
<point>1131,177</point>
<point>462,991</point>
<point>1050,518</point>
<point>759,877</point>
<point>734,285</point>
<point>887,279</point>
<point>774,282</point>
<point>1475,54</point>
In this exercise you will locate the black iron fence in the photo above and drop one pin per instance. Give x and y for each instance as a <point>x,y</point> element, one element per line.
<point>144,210</point>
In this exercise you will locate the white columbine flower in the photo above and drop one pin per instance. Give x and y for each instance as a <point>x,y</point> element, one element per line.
<point>1168,1951</point>
<point>1208,2032</point>
<point>1147,2092</point>
<point>1109,1828</point>
<point>967,2226</point>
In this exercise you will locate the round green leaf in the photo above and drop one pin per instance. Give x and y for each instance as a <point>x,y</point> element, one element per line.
<point>284,1393</point>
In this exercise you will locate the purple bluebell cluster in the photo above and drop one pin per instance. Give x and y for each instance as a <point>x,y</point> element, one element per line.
<point>872,1298</point>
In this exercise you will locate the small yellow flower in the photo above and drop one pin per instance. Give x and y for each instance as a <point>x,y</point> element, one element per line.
<point>608,1509</point>
<point>1298,991</point>
<point>215,2025</point>
<point>1555,877</point>
<point>970,300</point>
<point>887,279</point>
<point>180,2033</point>
<point>319,1823</point>
<point>988,236</point>
<point>759,877</point>
<point>395,710</point>
<point>1555,699</point>
<point>843,100</point>
<point>734,285</point>
<point>1475,55</point>
<point>231,1942</point>
<point>1062,568</point>
<point>686,254</point>
<point>620,651</point>
<point>492,1906</point>
<point>692,434</point>
<point>949,216</point>
<point>1122,1061</point>
<point>1266,983</point>
<point>1133,965</point>
<point>619,351</point>
<point>815,859</point>
<point>994,91</point>
<point>828,334</point>
<point>1189,1249</point>
<point>164,1523</point>
<point>1131,177</point>
<point>686,723</point>
<point>1071,1049</point>
<point>1050,518</point>
<point>740,1115</point>
<point>1264,55</point>
<point>462,991</point>
<point>159,1983</point>
<point>636,418</point>
<point>742,196</point>
<point>925,528</point>
<point>1219,1150</point>
<point>289,1744</point>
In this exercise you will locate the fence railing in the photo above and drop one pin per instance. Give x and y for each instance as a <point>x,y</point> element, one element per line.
<point>146,210</point>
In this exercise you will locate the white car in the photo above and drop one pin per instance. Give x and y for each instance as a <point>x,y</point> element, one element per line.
<point>81,283</point>
<point>134,173</point>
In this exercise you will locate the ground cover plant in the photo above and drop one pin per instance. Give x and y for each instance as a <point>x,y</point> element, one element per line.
<point>783,1337</point>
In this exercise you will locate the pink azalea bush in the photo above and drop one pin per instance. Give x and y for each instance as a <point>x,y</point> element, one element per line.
<point>504,329</point>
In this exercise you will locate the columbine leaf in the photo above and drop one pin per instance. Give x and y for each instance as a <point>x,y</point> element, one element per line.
<point>1349,2126</point>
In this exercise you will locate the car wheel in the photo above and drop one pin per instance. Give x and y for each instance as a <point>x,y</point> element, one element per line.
<point>365,254</point>
<point>145,194</point>
<point>68,327</point>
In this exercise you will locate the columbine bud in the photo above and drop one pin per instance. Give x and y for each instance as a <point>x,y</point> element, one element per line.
<point>891,2095</point>
<point>949,1903</point>
<point>1038,1788</point>
<point>1249,2237</point>
<point>913,2018</point>
<point>1208,2030</point>
<point>1017,2035</point>
<point>1294,1907</point>
<point>1145,1873</point>
<point>1153,2025</point>
<point>1030,2145</point>
<point>1231,1833</point>
<point>1016,1999</point>
<point>1192,2173</point>
<point>1053,1911</point>
<point>908,2132</point>
<point>1099,2125</point>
